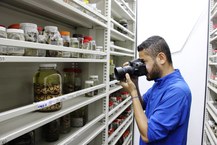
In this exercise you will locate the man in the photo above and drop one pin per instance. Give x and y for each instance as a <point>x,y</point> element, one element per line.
<point>167,103</point>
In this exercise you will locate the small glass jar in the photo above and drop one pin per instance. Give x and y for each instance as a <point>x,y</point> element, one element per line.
<point>41,39</point>
<point>65,123</point>
<point>74,44</point>
<point>16,34</point>
<point>79,117</point>
<point>66,42</point>
<point>3,34</point>
<point>31,35</point>
<point>26,139</point>
<point>77,85</point>
<point>124,95</point>
<point>51,131</point>
<point>68,80</point>
<point>95,79</point>
<point>99,49</point>
<point>47,84</point>
<point>88,84</point>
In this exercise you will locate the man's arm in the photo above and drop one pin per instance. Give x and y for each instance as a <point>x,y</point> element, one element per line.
<point>139,114</point>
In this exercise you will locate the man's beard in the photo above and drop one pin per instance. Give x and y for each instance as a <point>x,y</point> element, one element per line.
<point>155,73</point>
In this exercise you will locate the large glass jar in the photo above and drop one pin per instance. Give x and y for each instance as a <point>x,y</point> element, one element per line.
<point>79,117</point>
<point>31,34</point>
<point>47,84</point>
<point>66,42</point>
<point>26,139</point>
<point>68,80</point>
<point>51,131</point>
<point>65,124</point>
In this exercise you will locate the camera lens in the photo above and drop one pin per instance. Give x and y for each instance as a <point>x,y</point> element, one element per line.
<point>121,71</point>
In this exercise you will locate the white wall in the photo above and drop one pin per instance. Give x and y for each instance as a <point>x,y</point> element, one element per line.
<point>184,26</point>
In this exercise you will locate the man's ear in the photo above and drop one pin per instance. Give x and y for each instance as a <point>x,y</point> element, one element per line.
<point>161,58</point>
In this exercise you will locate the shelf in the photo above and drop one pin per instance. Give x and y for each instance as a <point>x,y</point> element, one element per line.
<point>213,39</point>
<point>213,32</point>
<point>50,8</point>
<point>123,28</point>
<point>113,82</point>
<point>120,36</point>
<point>114,88</point>
<point>121,54</point>
<point>42,104</point>
<point>119,106</point>
<point>128,139</point>
<point>210,134</point>
<point>119,12</point>
<point>213,63</point>
<point>122,127</point>
<point>212,110</point>
<point>15,127</point>
<point>118,112</point>
<point>128,8</point>
<point>91,129</point>
<point>121,48</point>
<point>214,7</point>
<point>212,88</point>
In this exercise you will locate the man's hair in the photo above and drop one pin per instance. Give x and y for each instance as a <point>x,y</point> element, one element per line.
<point>154,45</point>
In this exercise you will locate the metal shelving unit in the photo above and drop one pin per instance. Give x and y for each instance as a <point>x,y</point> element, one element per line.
<point>21,116</point>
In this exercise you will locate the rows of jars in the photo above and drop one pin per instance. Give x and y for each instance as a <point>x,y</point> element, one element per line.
<point>46,35</point>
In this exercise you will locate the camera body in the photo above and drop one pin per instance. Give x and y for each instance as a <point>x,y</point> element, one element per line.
<point>135,68</point>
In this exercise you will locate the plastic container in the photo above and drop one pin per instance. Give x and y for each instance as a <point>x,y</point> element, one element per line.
<point>66,42</point>
<point>16,34</point>
<point>68,80</point>
<point>3,34</point>
<point>31,35</point>
<point>47,84</point>
<point>88,84</point>
<point>74,44</point>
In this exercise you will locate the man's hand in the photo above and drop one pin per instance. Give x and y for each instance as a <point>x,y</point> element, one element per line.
<point>129,86</point>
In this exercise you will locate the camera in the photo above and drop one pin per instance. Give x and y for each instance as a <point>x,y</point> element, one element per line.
<point>135,68</point>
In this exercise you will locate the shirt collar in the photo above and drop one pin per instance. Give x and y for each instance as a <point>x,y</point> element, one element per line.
<point>174,74</point>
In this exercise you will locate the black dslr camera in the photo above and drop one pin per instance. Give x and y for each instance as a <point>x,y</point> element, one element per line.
<point>135,68</point>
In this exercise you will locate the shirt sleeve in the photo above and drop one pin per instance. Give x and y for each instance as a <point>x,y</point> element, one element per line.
<point>167,114</point>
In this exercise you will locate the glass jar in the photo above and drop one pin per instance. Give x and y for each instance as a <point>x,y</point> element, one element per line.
<point>53,37</point>
<point>88,84</point>
<point>51,131</point>
<point>86,46</point>
<point>111,71</point>
<point>66,42</point>
<point>41,39</point>
<point>74,44</point>
<point>3,34</point>
<point>26,139</point>
<point>47,84</point>
<point>65,123</point>
<point>79,117</point>
<point>16,34</point>
<point>99,49</point>
<point>95,79</point>
<point>68,80</point>
<point>31,35</point>
<point>77,85</point>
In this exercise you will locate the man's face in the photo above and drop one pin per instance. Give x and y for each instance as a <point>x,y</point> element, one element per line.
<point>153,69</point>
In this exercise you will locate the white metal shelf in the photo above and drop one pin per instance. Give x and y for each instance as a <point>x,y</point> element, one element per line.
<point>22,124</point>
<point>123,126</point>
<point>80,134</point>
<point>213,32</point>
<point>213,39</point>
<point>121,54</point>
<point>118,11</point>
<point>128,8</point>
<point>212,88</point>
<point>113,82</point>
<point>51,8</point>
<point>114,88</point>
<point>42,104</point>
<point>123,28</point>
<point>121,109</point>
<point>128,139</point>
<point>212,110</point>
<point>121,49</point>
<point>213,8</point>
<point>120,36</point>
<point>119,106</point>
<point>210,134</point>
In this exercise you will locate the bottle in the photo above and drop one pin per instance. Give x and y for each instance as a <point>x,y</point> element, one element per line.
<point>74,44</point>
<point>111,70</point>
<point>47,84</point>
<point>51,131</point>
<point>66,42</point>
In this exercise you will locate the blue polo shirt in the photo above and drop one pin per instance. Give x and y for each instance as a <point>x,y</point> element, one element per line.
<point>167,106</point>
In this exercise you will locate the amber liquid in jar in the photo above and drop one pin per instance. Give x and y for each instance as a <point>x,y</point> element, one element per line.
<point>47,85</point>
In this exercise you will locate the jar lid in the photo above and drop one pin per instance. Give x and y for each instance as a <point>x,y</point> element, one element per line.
<point>40,28</point>
<point>15,31</point>
<point>15,26</point>
<point>93,76</point>
<point>28,25</point>
<point>78,35</point>
<point>2,28</point>
<point>48,65</point>
<point>65,33</point>
<point>86,41</point>
<point>89,82</point>
<point>88,38</point>
<point>50,28</point>
<point>68,69</point>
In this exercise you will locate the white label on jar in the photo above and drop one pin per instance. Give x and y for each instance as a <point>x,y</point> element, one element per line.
<point>15,51</point>
<point>77,122</point>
